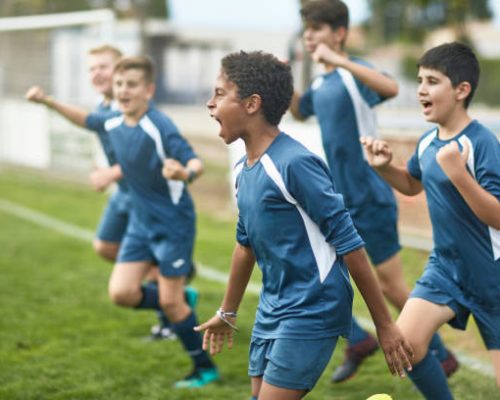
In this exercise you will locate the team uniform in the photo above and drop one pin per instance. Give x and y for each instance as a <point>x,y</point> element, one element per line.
<point>162,224</point>
<point>343,106</point>
<point>298,229</point>
<point>115,217</point>
<point>463,268</point>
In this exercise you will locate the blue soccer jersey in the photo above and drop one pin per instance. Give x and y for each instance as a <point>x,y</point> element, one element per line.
<point>109,152</point>
<point>343,107</point>
<point>163,206</point>
<point>298,229</point>
<point>466,254</point>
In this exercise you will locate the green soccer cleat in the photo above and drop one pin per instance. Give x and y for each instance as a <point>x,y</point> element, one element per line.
<point>199,378</point>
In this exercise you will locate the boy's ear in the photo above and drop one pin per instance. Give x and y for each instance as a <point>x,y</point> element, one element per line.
<point>341,34</point>
<point>151,90</point>
<point>463,90</point>
<point>253,103</point>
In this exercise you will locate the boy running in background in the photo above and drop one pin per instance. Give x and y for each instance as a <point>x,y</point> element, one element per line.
<point>342,100</point>
<point>458,165</point>
<point>293,224</point>
<point>115,218</point>
<point>158,164</point>
<point>113,224</point>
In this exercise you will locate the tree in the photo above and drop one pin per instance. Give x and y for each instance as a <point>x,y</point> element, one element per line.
<point>131,8</point>
<point>411,19</point>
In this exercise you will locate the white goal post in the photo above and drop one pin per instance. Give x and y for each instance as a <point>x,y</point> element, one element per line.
<point>48,50</point>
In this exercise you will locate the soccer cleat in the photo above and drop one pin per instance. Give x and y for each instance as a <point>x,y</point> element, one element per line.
<point>162,333</point>
<point>354,356</point>
<point>450,364</point>
<point>198,378</point>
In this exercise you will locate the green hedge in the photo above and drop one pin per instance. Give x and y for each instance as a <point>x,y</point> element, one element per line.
<point>488,91</point>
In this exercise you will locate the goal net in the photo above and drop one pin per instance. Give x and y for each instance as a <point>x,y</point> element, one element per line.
<point>49,51</point>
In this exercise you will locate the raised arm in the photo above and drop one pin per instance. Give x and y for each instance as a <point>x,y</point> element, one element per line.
<point>73,114</point>
<point>379,156</point>
<point>223,324</point>
<point>294,107</point>
<point>398,352</point>
<point>483,204</point>
<point>384,85</point>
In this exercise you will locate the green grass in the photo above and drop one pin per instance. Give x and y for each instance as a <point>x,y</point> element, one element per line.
<point>60,337</point>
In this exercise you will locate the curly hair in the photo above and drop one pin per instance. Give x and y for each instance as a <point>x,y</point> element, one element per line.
<point>262,74</point>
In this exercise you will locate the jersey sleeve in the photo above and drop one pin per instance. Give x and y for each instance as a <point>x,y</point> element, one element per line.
<point>487,164</point>
<point>95,121</point>
<point>306,108</point>
<point>310,184</point>
<point>413,166</point>
<point>175,145</point>
<point>241,234</point>
<point>371,96</point>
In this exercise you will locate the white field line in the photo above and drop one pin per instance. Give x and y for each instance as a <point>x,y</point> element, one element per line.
<point>206,272</point>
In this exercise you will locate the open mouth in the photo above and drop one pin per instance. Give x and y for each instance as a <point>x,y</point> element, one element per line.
<point>427,105</point>
<point>215,118</point>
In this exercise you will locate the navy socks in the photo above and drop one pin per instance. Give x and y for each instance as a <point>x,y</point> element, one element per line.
<point>192,341</point>
<point>429,378</point>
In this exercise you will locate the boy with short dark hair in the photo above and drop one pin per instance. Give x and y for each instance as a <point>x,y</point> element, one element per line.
<point>458,165</point>
<point>161,232</point>
<point>293,224</point>
<point>343,100</point>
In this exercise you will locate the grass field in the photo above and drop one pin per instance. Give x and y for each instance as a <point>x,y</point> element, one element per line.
<point>60,337</point>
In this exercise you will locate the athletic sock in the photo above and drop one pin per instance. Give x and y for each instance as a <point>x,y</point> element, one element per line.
<point>436,347</point>
<point>429,378</point>
<point>162,319</point>
<point>192,341</point>
<point>358,334</point>
<point>150,297</point>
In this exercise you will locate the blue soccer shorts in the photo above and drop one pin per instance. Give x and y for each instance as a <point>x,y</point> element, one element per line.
<point>377,225</point>
<point>435,288</point>
<point>290,363</point>
<point>172,255</point>
<point>115,217</point>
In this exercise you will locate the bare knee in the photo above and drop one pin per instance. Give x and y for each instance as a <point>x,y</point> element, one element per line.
<point>106,250</point>
<point>125,296</point>
<point>176,309</point>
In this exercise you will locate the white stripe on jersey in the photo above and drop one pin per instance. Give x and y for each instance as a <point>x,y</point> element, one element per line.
<point>324,253</point>
<point>423,146</point>
<point>176,188</point>
<point>494,233</point>
<point>113,122</point>
<point>366,117</point>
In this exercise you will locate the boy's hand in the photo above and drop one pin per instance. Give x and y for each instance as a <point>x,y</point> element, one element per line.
<point>173,169</point>
<point>378,152</point>
<point>36,95</point>
<point>397,350</point>
<point>101,178</point>
<point>451,160</point>
<point>216,330</point>
<point>325,55</point>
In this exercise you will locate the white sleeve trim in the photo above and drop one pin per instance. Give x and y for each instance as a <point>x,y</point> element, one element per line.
<point>324,253</point>
<point>494,233</point>
<point>176,188</point>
